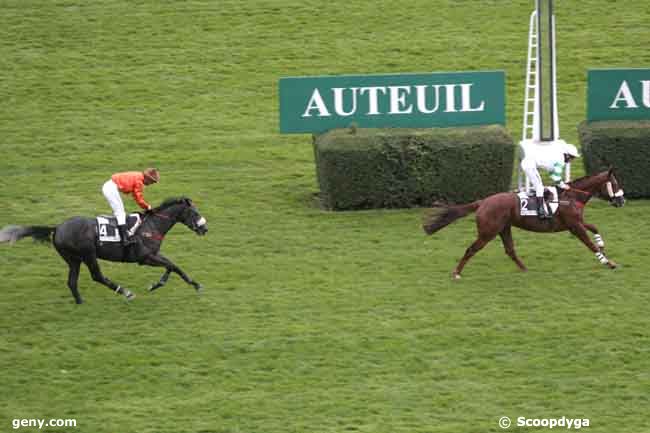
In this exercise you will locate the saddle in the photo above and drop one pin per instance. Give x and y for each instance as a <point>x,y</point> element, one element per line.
<point>528,202</point>
<point>107,230</point>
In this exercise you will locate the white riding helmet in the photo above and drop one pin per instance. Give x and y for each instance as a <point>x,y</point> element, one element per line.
<point>570,149</point>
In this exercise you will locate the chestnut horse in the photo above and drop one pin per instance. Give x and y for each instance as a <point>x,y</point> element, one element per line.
<point>496,214</point>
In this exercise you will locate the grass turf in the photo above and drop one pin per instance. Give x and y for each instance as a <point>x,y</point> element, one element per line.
<point>310,321</point>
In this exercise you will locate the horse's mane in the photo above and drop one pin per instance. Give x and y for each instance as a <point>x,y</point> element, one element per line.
<point>578,179</point>
<point>172,201</point>
<point>584,177</point>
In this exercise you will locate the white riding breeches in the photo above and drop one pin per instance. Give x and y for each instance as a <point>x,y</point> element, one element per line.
<point>529,166</point>
<point>112,194</point>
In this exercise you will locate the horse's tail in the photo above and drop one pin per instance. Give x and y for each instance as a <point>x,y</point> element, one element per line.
<point>12,234</point>
<point>441,215</point>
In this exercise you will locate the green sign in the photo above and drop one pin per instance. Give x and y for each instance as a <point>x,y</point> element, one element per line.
<point>317,104</point>
<point>618,94</point>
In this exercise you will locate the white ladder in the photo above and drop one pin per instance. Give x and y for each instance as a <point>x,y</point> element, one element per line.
<point>529,132</point>
<point>532,87</point>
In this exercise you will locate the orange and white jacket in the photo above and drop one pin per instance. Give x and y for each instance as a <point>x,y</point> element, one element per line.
<point>132,182</point>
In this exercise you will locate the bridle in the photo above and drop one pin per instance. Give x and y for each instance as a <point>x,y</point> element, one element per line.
<point>610,191</point>
<point>196,225</point>
<point>613,197</point>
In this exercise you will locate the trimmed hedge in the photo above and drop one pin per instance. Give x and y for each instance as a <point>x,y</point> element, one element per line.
<point>624,145</point>
<point>372,168</point>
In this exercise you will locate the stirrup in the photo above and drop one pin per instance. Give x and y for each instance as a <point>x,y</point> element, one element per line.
<point>125,239</point>
<point>542,212</point>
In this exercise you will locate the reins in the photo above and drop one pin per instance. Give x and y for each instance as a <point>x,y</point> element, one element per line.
<point>581,190</point>
<point>154,235</point>
<point>162,215</point>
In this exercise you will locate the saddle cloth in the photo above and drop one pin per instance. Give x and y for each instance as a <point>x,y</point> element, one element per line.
<point>107,227</point>
<point>528,203</point>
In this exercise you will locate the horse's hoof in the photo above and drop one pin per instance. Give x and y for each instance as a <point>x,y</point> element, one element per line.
<point>129,296</point>
<point>455,276</point>
<point>612,265</point>
<point>198,287</point>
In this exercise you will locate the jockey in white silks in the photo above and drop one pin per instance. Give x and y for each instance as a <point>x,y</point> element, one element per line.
<point>553,159</point>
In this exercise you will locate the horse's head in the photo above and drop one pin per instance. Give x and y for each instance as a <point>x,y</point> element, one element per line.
<point>182,210</point>
<point>611,190</point>
<point>191,217</point>
<point>602,185</point>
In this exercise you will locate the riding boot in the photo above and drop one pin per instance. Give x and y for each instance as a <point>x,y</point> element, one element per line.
<point>541,209</point>
<point>124,236</point>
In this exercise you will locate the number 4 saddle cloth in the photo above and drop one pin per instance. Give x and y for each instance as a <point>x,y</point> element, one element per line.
<point>107,227</point>
<point>528,202</point>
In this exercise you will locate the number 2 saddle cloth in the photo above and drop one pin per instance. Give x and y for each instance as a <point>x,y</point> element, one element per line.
<point>528,202</point>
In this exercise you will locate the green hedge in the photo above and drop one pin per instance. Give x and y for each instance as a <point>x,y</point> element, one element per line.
<point>371,168</point>
<point>624,145</point>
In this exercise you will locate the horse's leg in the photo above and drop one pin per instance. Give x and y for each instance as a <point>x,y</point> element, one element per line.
<point>73,278</point>
<point>74,264</point>
<point>487,227</point>
<point>581,233</point>
<point>160,260</point>
<point>508,244</point>
<point>597,237</point>
<point>469,253</point>
<point>162,281</point>
<point>97,276</point>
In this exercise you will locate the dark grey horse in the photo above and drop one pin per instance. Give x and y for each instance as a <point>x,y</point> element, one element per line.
<point>76,240</point>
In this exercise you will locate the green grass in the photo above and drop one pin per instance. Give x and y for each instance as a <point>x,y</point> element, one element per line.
<point>310,321</point>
